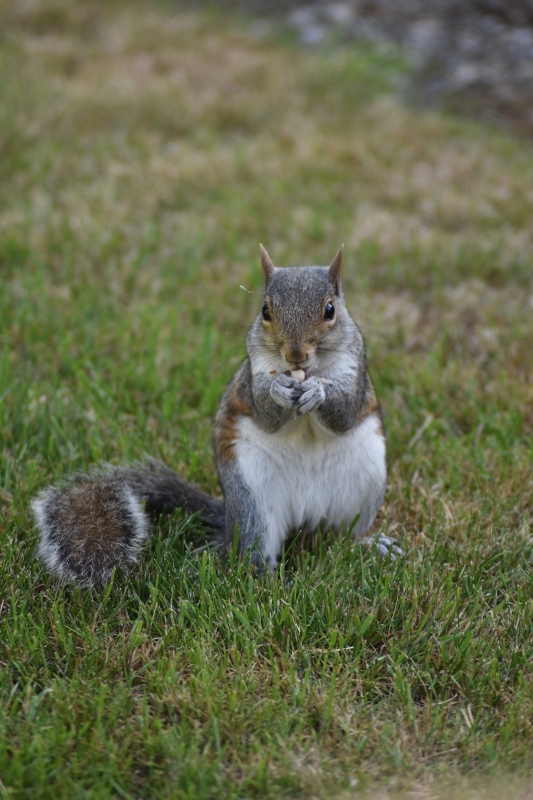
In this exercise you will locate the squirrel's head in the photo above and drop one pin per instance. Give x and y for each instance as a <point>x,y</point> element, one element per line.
<point>303,313</point>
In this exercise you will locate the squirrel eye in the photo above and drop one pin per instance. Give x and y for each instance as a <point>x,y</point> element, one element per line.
<point>265,311</point>
<point>329,311</point>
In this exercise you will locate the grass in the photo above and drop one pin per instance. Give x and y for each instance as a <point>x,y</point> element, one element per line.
<point>145,153</point>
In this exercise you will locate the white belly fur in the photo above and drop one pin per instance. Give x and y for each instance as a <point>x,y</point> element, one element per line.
<point>304,474</point>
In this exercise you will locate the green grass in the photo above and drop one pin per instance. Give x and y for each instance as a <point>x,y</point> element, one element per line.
<point>146,152</point>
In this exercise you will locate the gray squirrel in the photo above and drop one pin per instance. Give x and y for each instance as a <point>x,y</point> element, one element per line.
<point>299,443</point>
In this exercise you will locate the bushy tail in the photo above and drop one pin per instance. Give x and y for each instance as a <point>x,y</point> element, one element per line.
<point>93,523</point>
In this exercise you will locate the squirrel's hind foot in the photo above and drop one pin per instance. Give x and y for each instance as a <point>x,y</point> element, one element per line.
<point>385,545</point>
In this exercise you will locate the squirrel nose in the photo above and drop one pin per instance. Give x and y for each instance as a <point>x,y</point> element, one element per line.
<point>296,356</point>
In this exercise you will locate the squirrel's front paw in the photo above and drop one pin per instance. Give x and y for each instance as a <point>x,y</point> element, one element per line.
<point>312,396</point>
<point>285,391</point>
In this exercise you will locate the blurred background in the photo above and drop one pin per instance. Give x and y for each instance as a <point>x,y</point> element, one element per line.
<point>469,55</point>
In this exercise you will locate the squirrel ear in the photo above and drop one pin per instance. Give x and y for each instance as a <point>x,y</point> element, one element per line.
<point>335,270</point>
<point>266,264</point>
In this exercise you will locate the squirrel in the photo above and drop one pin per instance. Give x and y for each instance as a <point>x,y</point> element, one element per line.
<point>299,443</point>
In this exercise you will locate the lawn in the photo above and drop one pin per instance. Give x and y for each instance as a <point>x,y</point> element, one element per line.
<point>145,151</point>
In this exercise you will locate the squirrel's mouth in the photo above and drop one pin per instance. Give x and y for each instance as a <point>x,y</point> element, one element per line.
<point>297,368</point>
